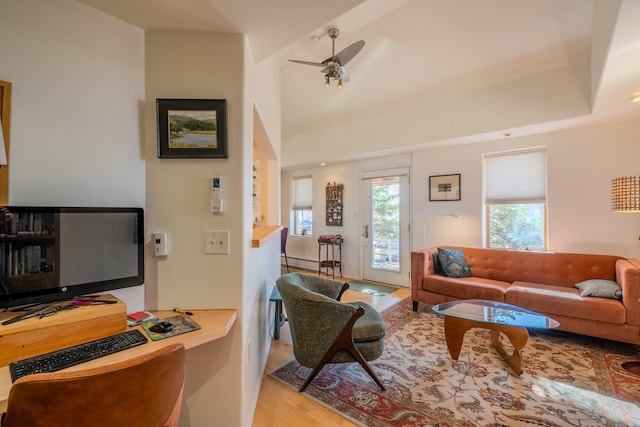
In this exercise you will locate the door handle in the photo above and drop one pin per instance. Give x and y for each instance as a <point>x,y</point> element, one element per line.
<point>366,231</point>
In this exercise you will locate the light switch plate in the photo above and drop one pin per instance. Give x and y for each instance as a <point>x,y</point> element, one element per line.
<point>216,242</point>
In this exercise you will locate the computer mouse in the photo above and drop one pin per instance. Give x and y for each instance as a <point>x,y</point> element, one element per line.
<point>161,327</point>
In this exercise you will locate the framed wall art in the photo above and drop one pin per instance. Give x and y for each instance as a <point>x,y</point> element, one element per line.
<point>444,188</point>
<point>192,128</point>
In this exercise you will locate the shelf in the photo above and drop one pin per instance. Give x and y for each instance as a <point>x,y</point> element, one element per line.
<point>263,234</point>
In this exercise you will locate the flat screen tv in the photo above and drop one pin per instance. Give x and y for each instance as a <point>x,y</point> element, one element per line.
<point>56,253</point>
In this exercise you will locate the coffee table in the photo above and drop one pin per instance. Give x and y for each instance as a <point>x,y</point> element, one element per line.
<point>499,317</point>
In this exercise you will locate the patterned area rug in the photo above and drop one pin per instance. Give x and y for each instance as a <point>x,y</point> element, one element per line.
<point>568,380</point>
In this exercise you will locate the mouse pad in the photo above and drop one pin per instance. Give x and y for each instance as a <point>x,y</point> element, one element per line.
<point>181,324</point>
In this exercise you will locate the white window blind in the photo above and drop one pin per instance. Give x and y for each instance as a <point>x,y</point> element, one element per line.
<point>516,177</point>
<point>302,193</point>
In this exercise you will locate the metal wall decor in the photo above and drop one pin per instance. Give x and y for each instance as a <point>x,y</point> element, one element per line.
<point>334,204</point>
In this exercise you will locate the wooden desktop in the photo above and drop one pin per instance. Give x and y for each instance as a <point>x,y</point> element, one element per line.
<point>214,324</point>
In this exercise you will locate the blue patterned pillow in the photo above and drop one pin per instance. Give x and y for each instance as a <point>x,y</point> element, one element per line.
<point>437,267</point>
<point>454,263</point>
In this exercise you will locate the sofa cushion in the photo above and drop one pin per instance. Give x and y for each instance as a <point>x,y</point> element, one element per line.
<point>600,288</point>
<point>551,299</point>
<point>552,268</point>
<point>454,263</point>
<point>370,327</point>
<point>466,287</point>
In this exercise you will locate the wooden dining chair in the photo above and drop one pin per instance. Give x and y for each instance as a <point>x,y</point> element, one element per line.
<point>145,391</point>
<point>284,233</point>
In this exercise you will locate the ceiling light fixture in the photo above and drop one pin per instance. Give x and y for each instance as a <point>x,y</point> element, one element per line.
<point>333,66</point>
<point>636,97</point>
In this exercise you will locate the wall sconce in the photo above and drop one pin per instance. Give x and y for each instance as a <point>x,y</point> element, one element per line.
<point>625,194</point>
<point>3,154</point>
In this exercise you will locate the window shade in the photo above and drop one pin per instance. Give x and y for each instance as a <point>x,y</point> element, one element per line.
<point>516,177</point>
<point>302,193</point>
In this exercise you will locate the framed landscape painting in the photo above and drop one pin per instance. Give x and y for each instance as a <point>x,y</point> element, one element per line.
<point>444,188</point>
<point>192,128</point>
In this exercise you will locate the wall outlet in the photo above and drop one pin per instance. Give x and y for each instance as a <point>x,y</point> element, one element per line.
<point>216,242</point>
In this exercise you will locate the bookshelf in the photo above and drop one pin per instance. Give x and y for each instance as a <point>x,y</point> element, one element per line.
<point>28,251</point>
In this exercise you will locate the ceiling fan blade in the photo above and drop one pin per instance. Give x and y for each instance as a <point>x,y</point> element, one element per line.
<point>344,75</point>
<point>316,64</point>
<point>347,54</point>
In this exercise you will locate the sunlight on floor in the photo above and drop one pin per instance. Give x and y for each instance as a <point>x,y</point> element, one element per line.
<point>613,409</point>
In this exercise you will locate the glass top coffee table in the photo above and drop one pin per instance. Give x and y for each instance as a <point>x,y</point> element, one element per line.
<point>499,317</point>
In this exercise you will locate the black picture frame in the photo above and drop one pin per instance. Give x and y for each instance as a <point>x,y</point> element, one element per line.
<point>207,138</point>
<point>445,188</point>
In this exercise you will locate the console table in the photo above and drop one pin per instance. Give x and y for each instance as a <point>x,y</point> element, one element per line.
<point>330,261</point>
<point>214,324</point>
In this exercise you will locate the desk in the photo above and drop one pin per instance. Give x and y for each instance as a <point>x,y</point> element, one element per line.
<point>214,324</point>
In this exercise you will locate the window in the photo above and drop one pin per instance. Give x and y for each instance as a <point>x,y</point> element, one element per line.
<point>302,206</point>
<point>515,198</point>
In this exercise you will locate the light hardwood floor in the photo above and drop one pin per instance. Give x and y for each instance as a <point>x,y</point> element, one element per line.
<point>282,406</point>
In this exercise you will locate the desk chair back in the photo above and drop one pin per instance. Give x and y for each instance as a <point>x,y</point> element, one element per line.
<point>283,245</point>
<point>145,391</point>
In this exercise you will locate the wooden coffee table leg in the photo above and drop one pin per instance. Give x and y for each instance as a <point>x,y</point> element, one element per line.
<point>454,330</point>
<point>518,337</point>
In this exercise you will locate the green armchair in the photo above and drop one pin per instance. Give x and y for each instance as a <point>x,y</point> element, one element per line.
<point>326,330</point>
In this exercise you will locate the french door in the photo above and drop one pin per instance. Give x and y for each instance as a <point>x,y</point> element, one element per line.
<point>385,226</point>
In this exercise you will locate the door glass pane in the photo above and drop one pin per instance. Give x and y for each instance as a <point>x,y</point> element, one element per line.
<point>385,224</point>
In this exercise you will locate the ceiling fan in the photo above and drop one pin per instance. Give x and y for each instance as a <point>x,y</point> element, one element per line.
<point>333,66</point>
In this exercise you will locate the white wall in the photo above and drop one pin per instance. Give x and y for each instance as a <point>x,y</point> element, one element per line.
<point>581,164</point>
<point>261,265</point>
<point>78,88</point>
<point>184,64</point>
<point>226,374</point>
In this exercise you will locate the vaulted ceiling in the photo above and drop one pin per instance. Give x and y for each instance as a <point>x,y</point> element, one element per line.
<point>432,72</point>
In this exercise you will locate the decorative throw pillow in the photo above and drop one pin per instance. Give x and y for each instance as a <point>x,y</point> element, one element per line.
<point>454,263</point>
<point>600,288</point>
<point>437,267</point>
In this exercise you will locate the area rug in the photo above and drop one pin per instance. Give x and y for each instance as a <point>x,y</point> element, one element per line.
<point>568,380</point>
<point>371,288</point>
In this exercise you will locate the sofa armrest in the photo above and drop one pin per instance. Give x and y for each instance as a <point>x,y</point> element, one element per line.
<point>628,277</point>
<point>421,266</point>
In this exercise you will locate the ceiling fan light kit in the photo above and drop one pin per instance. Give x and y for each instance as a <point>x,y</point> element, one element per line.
<point>334,65</point>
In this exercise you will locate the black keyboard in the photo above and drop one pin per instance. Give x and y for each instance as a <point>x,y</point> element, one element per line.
<point>71,356</point>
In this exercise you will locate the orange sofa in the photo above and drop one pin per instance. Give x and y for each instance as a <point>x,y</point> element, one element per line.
<point>542,282</point>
